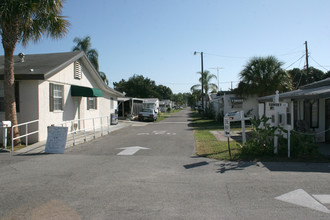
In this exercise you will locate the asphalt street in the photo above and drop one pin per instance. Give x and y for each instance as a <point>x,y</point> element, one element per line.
<point>157,177</point>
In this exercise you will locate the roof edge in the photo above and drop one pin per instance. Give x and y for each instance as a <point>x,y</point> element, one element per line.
<point>63,65</point>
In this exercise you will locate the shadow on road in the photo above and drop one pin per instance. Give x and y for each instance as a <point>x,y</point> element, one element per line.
<point>194,165</point>
<point>274,166</point>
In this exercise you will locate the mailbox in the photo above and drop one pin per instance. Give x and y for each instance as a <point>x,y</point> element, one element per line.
<point>5,124</point>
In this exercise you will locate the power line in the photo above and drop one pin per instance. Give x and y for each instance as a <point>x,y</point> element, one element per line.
<point>234,57</point>
<point>318,63</point>
<point>295,61</point>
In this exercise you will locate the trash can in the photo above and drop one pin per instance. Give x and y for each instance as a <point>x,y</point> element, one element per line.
<point>114,119</point>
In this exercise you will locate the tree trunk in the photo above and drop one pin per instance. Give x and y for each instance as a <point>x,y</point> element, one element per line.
<point>9,90</point>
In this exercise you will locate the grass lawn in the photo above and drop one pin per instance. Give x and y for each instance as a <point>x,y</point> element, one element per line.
<point>206,143</point>
<point>208,146</point>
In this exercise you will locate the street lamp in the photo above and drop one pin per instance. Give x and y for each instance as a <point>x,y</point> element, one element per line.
<point>202,81</point>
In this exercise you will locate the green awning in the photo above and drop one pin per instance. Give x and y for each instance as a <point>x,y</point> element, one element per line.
<point>85,91</point>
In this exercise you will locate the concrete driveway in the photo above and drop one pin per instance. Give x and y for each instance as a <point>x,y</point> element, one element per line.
<point>161,180</point>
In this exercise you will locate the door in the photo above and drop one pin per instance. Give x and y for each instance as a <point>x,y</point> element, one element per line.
<point>76,112</point>
<point>327,119</point>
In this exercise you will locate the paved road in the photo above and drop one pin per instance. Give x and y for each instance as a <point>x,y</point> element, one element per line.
<point>166,181</point>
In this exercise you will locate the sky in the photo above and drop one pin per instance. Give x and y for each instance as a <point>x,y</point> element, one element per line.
<point>157,38</point>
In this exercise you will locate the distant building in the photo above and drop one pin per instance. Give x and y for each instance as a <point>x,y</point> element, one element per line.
<point>164,105</point>
<point>227,101</point>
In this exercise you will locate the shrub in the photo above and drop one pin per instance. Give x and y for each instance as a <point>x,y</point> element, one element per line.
<point>261,142</point>
<point>302,145</point>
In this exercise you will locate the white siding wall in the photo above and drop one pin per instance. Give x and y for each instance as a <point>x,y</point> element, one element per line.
<point>28,101</point>
<point>66,78</point>
<point>320,135</point>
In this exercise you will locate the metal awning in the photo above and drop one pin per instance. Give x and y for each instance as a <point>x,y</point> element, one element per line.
<point>85,91</point>
<point>310,93</point>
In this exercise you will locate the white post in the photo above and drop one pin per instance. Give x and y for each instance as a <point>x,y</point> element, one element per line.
<point>12,138</point>
<point>289,146</point>
<point>243,127</point>
<point>276,100</point>
<point>94,128</point>
<point>101,126</point>
<point>84,130</point>
<point>276,132</point>
<point>4,136</point>
<point>73,137</point>
<point>109,121</point>
<point>26,132</point>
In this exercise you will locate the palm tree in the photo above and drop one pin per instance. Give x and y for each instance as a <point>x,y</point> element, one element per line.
<point>104,78</point>
<point>207,77</point>
<point>84,44</point>
<point>23,21</point>
<point>207,85</point>
<point>263,76</point>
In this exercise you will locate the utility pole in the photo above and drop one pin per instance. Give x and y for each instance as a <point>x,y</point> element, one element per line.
<point>202,72</point>
<point>217,68</point>
<point>306,48</point>
<point>202,75</point>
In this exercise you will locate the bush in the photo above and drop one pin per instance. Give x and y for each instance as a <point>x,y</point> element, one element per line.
<point>261,142</point>
<point>210,113</point>
<point>302,145</point>
<point>219,117</point>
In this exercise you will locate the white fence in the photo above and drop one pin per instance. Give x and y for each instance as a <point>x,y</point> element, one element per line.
<point>86,126</point>
<point>27,133</point>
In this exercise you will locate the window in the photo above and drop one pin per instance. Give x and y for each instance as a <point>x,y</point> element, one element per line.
<point>91,103</point>
<point>2,96</point>
<point>77,70</point>
<point>314,114</point>
<point>311,113</point>
<point>55,97</point>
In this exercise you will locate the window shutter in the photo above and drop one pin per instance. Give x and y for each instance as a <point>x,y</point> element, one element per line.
<point>62,97</point>
<point>87,103</point>
<point>51,97</point>
<point>77,70</point>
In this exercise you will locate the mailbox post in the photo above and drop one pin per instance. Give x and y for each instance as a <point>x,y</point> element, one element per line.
<point>4,125</point>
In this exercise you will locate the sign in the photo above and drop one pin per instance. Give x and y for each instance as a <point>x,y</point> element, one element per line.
<point>5,124</point>
<point>56,140</point>
<point>226,126</point>
<point>281,104</point>
<point>233,100</point>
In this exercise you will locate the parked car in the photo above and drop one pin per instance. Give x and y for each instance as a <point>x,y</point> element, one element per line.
<point>233,116</point>
<point>147,113</point>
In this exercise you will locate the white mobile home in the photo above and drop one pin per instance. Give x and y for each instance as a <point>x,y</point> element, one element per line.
<point>151,103</point>
<point>227,101</point>
<point>308,109</point>
<point>58,87</point>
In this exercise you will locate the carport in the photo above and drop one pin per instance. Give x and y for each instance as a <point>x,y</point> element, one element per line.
<point>129,106</point>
